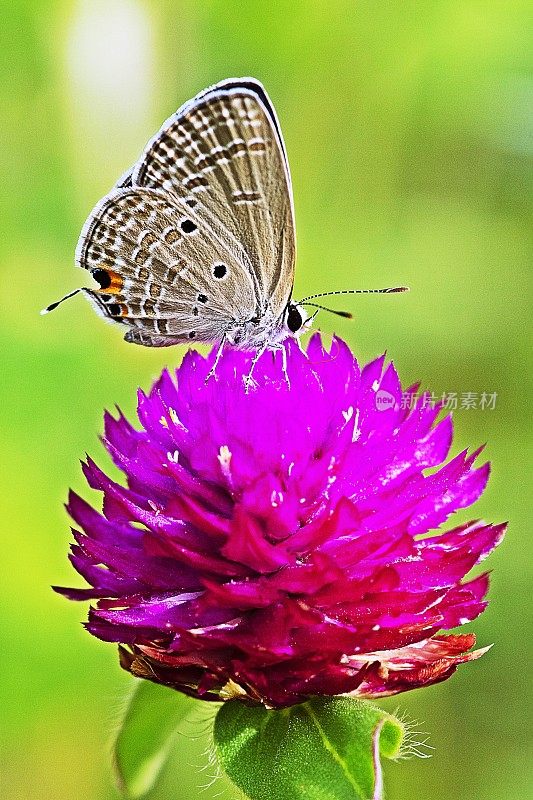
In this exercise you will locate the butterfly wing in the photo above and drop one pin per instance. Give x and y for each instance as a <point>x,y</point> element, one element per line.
<point>162,270</point>
<point>217,167</point>
<point>223,154</point>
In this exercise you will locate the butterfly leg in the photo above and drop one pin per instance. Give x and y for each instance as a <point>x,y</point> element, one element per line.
<point>274,348</point>
<point>298,341</point>
<point>212,371</point>
<point>248,380</point>
<point>284,363</point>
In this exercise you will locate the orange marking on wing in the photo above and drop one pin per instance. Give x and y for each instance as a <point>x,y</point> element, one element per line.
<point>116,283</point>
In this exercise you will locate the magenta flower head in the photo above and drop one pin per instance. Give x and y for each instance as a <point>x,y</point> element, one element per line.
<point>279,544</point>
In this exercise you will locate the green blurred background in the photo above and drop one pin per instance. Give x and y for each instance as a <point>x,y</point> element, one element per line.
<point>409,131</point>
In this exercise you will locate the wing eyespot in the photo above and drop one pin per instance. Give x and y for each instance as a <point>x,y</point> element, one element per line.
<point>109,281</point>
<point>188,226</point>
<point>220,271</point>
<point>102,277</point>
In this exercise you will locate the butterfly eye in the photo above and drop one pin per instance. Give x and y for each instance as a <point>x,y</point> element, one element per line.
<point>219,271</point>
<point>202,298</point>
<point>294,319</point>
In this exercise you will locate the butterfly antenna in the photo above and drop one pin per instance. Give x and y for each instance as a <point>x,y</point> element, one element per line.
<point>389,290</point>
<point>55,305</point>
<point>345,314</point>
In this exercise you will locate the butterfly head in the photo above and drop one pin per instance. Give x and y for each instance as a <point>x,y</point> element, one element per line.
<point>295,321</point>
<point>269,329</point>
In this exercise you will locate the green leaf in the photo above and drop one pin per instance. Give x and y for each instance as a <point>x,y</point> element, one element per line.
<point>146,734</point>
<point>325,749</point>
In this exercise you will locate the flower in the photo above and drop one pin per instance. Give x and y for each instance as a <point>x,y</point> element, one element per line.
<point>273,545</point>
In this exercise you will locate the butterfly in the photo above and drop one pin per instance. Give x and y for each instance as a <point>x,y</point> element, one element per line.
<point>197,240</point>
